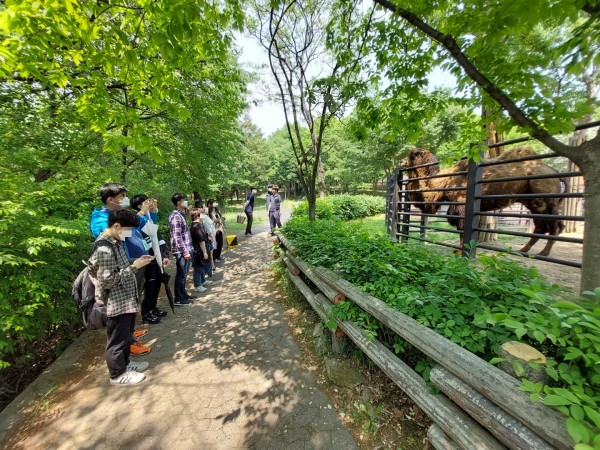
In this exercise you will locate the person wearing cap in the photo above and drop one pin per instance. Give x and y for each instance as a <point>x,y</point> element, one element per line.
<point>274,205</point>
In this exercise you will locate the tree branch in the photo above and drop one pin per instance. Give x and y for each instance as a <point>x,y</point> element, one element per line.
<point>517,114</point>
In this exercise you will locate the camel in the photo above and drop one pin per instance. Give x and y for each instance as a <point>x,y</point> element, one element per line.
<point>552,227</point>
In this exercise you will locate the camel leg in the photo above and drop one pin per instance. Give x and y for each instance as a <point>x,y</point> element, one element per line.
<point>547,248</point>
<point>530,244</point>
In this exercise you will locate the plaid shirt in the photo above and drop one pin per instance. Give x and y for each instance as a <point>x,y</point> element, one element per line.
<point>181,239</point>
<point>116,278</point>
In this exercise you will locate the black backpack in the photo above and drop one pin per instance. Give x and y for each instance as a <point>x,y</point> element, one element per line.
<point>84,293</point>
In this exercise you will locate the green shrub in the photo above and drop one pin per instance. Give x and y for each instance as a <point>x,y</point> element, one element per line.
<point>343,207</point>
<point>478,306</point>
<point>40,255</point>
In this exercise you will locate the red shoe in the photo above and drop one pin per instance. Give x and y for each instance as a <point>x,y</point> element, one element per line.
<point>139,333</point>
<point>138,349</point>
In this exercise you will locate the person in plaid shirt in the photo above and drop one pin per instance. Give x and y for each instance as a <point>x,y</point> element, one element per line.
<point>182,248</point>
<point>118,287</point>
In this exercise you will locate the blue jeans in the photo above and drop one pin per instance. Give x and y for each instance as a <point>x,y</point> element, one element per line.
<point>183,267</point>
<point>199,275</point>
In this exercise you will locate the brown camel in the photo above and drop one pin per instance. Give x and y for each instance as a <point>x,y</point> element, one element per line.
<point>552,227</point>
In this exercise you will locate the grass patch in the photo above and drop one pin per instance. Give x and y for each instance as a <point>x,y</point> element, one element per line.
<point>374,225</point>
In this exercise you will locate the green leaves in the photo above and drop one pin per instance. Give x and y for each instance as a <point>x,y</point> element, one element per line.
<point>478,306</point>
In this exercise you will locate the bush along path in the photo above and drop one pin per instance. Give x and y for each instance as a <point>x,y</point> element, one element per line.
<point>224,374</point>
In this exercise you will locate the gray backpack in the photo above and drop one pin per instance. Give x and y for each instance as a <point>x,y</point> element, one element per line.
<point>83,291</point>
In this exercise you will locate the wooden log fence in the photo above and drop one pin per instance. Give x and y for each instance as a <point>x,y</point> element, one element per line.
<point>486,402</point>
<point>439,439</point>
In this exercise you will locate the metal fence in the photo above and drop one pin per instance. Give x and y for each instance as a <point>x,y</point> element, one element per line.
<point>455,207</point>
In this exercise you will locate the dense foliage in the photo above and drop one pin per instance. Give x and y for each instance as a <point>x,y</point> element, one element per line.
<point>146,93</point>
<point>476,305</point>
<point>344,207</point>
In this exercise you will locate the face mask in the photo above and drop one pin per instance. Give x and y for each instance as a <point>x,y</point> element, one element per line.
<point>184,203</point>
<point>125,234</point>
<point>203,216</point>
<point>124,203</point>
<point>215,204</point>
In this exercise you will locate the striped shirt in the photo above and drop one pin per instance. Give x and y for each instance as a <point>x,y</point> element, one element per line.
<point>116,277</point>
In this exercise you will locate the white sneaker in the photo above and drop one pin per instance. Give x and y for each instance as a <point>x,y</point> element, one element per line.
<point>217,270</point>
<point>200,288</point>
<point>207,283</point>
<point>137,366</point>
<point>128,377</point>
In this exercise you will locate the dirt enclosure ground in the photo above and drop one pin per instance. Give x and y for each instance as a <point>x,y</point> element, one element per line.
<point>562,275</point>
<point>566,276</point>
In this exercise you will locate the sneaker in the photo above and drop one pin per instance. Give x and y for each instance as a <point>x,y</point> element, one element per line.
<point>207,283</point>
<point>159,312</point>
<point>217,270</point>
<point>137,349</point>
<point>150,318</point>
<point>248,234</point>
<point>137,366</point>
<point>128,377</point>
<point>139,333</point>
<point>200,288</point>
<point>184,302</point>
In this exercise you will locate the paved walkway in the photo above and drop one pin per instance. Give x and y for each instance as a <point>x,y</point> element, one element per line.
<point>224,374</point>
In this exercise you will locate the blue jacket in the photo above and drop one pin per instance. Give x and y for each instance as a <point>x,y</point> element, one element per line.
<point>133,245</point>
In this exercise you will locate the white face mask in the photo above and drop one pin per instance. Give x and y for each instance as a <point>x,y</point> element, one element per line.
<point>124,203</point>
<point>184,203</point>
<point>125,234</point>
<point>215,205</point>
<point>203,216</point>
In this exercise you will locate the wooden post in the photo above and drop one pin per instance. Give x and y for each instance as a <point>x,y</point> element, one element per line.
<point>522,354</point>
<point>508,430</point>
<point>490,381</point>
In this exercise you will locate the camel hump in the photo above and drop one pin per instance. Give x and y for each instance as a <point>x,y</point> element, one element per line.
<point>518,152</point>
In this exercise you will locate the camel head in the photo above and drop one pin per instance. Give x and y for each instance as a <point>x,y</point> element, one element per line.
<point>419,157</point>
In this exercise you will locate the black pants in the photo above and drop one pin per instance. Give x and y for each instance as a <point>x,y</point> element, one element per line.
<point>118,333</point>
<point>249,224</point>
<point>151,287</point>
<point>219,249</point>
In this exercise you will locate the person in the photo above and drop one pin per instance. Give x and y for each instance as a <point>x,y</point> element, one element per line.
<point>181,246</point>
<point>114,197</point>
<point>268,196</point>
<point>219,223</point>
<point>249,209</point>
<point>152,273</point>
<point>209,226</point>
<point>118,289</point>
<point>201,260</point>
<point>274,207</point>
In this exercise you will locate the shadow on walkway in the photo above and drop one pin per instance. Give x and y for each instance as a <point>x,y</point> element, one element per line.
<point>224,374</point>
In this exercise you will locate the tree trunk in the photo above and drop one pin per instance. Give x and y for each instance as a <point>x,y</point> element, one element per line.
<point>489,222</point>
<point>312,206</point>
<point>124,149</point>
<point>321,180</point>
<point>590,271</point>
